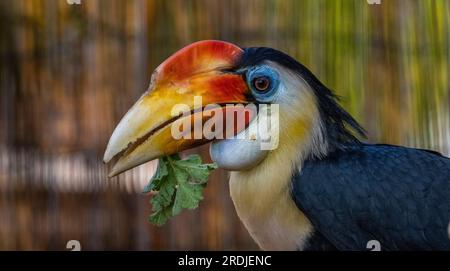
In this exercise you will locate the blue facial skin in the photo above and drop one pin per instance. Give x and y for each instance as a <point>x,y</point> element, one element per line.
<point>267,72</point>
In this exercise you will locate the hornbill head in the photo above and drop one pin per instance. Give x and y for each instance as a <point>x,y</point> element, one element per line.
<point>308,116</point>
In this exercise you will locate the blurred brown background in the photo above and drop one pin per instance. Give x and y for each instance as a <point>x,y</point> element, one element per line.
<point>68,73</point>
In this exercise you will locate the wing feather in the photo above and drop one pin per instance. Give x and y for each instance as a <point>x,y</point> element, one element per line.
<point>398,196</point>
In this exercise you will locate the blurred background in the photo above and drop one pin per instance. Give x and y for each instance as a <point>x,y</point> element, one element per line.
<point>68,73</point>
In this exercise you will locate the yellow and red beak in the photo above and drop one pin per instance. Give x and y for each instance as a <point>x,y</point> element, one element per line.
<point>199,69</point>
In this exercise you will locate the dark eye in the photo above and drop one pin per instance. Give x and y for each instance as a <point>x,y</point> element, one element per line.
<point>261,84</point>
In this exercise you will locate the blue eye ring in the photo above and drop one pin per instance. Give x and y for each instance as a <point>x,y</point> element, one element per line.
<point>263,82</point>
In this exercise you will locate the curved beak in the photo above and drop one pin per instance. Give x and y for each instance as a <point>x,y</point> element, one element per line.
<point>198,70</point>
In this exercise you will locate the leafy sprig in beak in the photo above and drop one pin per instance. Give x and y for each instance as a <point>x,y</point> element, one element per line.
<point>178,184</point>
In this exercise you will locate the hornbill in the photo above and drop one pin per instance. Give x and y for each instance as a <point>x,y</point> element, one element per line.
<point>321,188</point>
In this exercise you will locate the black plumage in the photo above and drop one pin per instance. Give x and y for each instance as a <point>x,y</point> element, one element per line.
<point>398,196</point>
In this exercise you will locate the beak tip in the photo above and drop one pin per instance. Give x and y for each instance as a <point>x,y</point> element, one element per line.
<point>116,170</point>
<point>111,174</point>
<point>107,156</point>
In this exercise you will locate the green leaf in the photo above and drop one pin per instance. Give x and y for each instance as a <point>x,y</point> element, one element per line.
<point>156,180</point>
<point>164,196</point>
<point>161,217</point>
<point>188,196</point>
<point>193,166</point>
<point>178,185</point>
